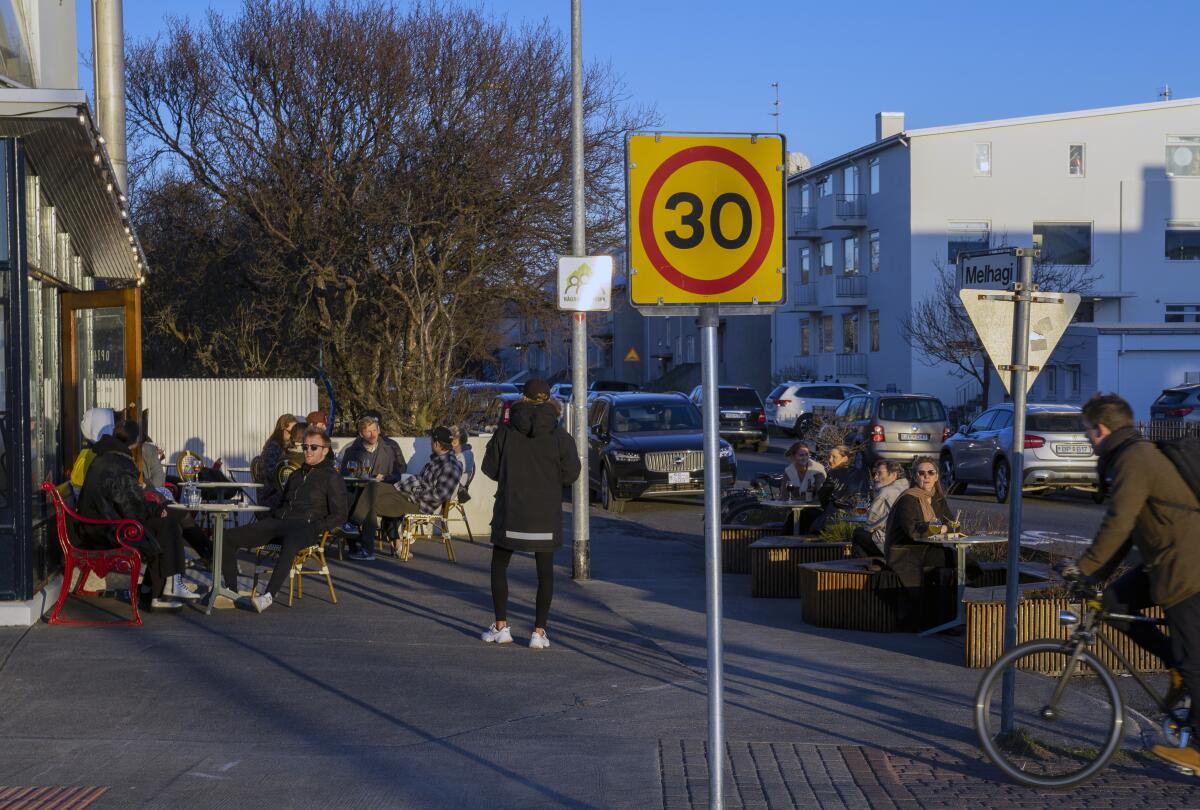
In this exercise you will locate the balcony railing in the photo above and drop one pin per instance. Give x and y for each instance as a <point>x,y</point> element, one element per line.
<point>850,286</point>
<point>852,364</point>
<point>806,295</point>
<point>801,219</point>
<point>850,206</point>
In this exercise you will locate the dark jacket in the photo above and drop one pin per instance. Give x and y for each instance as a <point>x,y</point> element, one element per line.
<point>110,491</point>
<point>272,455</point>
<point>532,459</point>
<point>909,559</point>
<point>316,495</point>
<point>840,486</point>
<point>387,460</point>
<point>1152,507</point>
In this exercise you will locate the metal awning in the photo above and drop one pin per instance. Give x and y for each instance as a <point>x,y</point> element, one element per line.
<point>63,149</point>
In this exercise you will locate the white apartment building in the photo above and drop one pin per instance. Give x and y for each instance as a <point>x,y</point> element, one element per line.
<point>1116,190</point>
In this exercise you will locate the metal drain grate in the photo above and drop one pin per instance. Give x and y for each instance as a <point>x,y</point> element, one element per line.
<point>46,797</point>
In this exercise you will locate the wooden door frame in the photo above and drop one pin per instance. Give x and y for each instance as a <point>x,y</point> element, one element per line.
<point>128,298</point>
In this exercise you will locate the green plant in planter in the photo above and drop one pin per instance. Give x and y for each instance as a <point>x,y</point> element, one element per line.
<point>837,532</point>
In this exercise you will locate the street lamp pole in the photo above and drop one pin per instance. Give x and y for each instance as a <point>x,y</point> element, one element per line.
<point>580,502</point>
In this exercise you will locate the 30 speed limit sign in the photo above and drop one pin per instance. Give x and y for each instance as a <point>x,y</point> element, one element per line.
<point>705,219</point>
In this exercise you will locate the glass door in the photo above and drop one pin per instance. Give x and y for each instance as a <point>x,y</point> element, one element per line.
<point>102,357</point>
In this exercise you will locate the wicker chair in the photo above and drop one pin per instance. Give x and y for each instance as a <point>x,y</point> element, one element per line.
<point>418,526</point>
<point>297,572</point>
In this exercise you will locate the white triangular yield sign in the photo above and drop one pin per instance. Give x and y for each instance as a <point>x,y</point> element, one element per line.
<point>992,317</point>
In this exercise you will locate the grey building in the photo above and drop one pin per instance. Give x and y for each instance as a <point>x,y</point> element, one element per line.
<point>1115,191</point>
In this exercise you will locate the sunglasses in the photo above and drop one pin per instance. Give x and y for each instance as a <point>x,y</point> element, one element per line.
<point>924,473</point>
<point>312,448</point>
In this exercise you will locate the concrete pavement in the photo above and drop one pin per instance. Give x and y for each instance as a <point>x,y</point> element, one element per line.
<point>388,699</point>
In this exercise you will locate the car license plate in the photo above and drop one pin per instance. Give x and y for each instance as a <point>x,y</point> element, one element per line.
<point>914,437</point>
<point>1073,449</point>
<point>734,414</point>
<point>679,478</point>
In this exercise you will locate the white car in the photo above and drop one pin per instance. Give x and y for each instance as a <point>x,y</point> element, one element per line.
<point>791,405</point>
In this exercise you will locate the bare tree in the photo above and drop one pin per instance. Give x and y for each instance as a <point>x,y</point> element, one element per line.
<point>379,184</point>
<point>941,332</point>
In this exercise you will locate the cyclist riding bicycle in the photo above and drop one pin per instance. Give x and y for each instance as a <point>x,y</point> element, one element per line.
<point>1153,508</point>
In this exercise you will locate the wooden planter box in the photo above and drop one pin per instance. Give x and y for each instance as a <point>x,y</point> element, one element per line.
<point>1037,617</point>
<point>846,595</point>
<point>735,545</point>
<point>775,563</point>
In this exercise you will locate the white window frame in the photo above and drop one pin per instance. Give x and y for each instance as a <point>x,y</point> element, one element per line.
<point>806,336</point>
<point>968,226</point>
<point>975,159</point>
<point>873,173</point>
<point>850,268</point>
<point>1187,312</point>
<point>826,336</point>
<point>873,330</point>
<point>1082,160</point>
<point>851,340</point>
<point>1180,141</point>
<point>804,262</point>
<point>1091,239</point>
<point>826,269</point>
<point>825,186</point>
<point>850,173</point>
<point>1178,225</point>
<point>875,251</point>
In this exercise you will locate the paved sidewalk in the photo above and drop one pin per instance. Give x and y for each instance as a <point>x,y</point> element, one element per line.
<point>388,699</point>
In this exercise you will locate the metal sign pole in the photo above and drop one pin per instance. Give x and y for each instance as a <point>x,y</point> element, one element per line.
<point>709,319</point>
<point>1020,376</point>
<point>580,502</point>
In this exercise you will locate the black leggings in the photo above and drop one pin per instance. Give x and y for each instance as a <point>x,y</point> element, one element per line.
<point>545,590</point>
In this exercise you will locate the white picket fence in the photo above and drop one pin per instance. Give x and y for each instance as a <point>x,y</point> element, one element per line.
<point>228,419</point>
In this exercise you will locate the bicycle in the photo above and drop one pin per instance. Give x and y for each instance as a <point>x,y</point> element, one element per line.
<point>1068,725</point>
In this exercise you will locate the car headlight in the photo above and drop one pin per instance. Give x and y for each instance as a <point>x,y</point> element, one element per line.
<point>625,455</point>
<point>727,451</point>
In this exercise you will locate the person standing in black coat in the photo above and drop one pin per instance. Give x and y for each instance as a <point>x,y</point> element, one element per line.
<point>531,458</point>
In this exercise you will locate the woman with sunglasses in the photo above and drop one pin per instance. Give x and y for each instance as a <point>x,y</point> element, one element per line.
<point>919,513</point>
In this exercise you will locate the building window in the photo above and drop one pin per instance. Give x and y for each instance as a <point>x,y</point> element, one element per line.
<point>1075,160</point>
<point>1050,376</point>
<point>805,265</point>
<point>1183,313</point>
<point>826,258</point>
<point>825,186</point>
<point>1064,242</point>
<point>1183,155</point>
<point>805,197</point>
<point>849,255</point>
<point>874,175</point>
<point>691,348</point>
<point>850,180</point>
<point>1183,241</point>
<point>850,333</point>
<point>983,159</point>
<point>964,237</point>
<point>826,333</point>
<point>873,320</point>
<point>1073,375</point>
<point>805,336</point>
<point>873,245</point>
<point>1086,312</point>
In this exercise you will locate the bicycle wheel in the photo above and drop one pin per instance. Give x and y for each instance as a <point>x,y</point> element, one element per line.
<point>754,514</point>
<point>1064,731</point>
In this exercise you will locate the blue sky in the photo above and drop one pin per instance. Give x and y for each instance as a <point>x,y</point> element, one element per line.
<point>708,65</point>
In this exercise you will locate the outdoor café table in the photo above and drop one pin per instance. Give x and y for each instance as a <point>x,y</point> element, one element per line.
<point>960,544</point>
<point>797,508</point>
<point>219,511</point>
<point>227,485</point>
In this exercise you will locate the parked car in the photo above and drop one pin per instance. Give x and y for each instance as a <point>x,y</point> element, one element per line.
<point>561,391</point>
<point>476,397</point>
<point>497,410</point>
<point>791,405</point>
<point>648,445</point>
<point>1178,404</point>
<point>1057,453</point>
<point>897,427</point>
<point>742,419</point>
<point>613,385</point>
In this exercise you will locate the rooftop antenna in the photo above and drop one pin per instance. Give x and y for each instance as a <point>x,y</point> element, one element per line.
<point>775,114</point>
<point>1164,92</point>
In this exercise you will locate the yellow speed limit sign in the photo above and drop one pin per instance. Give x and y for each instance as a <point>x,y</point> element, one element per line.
<point>705,219</point>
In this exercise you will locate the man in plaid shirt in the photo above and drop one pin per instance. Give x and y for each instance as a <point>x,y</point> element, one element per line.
<point>438,479</point>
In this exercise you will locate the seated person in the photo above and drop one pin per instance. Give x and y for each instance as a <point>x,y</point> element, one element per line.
<point>96,424</point>
<point>919,512</point>
<point>803,475</point>
<point>424,493</point>
<point>466,456</point>
<point>111,491</point>
<point>273,453</point>
<point>844,483</point>
<point>890,484</point>
<point>370,457</point>
<point>314,502</point>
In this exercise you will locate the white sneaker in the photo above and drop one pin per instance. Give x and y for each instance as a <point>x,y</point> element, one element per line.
<point>262,601</point>
<point>494,636</point>
<point>165,603</point>
<point>176,588</point>
<point>539,641</point>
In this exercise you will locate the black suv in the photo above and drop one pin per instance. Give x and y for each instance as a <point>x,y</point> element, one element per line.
<point>648,445</point>
<point>742,417</point>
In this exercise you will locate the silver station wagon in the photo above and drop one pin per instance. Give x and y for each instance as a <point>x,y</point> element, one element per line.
<point>1057,454</point>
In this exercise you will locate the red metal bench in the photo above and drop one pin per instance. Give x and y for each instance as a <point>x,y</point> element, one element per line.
<point>124,559</point>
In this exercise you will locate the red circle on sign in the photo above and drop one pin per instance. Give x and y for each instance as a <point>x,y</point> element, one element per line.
<point>706,286</point>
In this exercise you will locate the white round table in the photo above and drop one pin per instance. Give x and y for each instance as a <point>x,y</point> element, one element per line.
<point>219,512</point>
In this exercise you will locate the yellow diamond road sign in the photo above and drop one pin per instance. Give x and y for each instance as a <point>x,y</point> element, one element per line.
<point>705,219</point>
